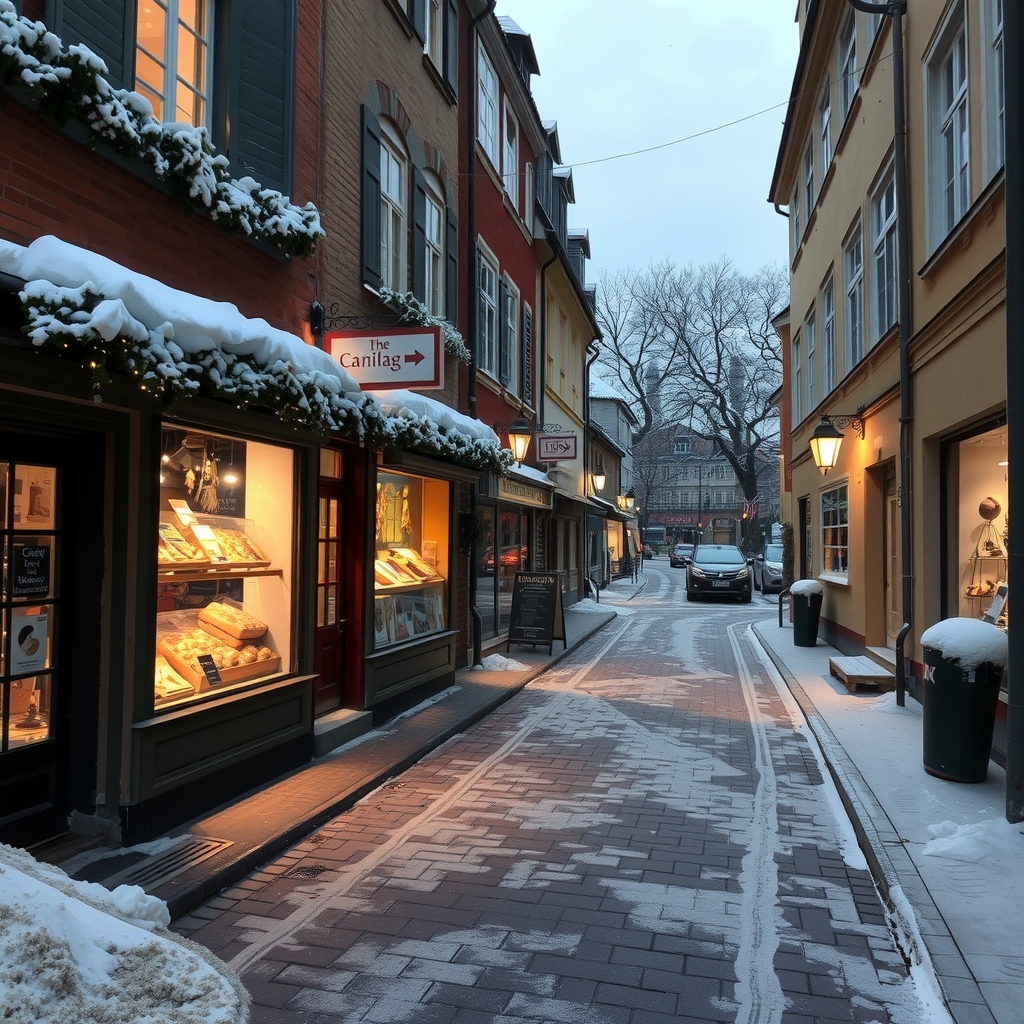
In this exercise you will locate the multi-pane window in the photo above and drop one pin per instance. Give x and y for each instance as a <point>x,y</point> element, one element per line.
<point>809,355</point>
<point>847,65</point>
<point>433,44</point>
<point>883,255</point>
<point>487,107</point>
<point>794,220</point>
<point>797,365</point>
<point>510,158</point>
<point>809,178</point>
<point>509,338</point>
<point>835,529</point>
<point>172,58</point>
<point>828,335</point>
<point>487,326</point>
<point>393,176</point>
<point>853,272</point>
<point>996,89</point>
<point>950,70</point>
<point>825,125</point>
<point>434,264</point>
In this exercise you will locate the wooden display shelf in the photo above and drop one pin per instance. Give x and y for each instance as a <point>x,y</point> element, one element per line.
<point>233,572</point>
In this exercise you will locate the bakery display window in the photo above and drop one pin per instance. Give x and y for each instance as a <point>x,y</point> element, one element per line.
<point>224,565</point>
<point>411,559</point>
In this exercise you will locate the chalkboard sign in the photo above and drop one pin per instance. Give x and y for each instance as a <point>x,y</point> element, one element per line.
<point>537,614</point>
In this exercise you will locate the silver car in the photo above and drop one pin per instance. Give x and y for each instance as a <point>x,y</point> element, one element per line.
<point>718,570</point>
<point>768,569</point>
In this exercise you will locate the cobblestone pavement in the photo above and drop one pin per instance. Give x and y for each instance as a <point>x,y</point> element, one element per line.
<point>643,834</point>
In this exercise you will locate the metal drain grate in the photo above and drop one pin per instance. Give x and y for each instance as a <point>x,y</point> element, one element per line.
<point>154,871</point>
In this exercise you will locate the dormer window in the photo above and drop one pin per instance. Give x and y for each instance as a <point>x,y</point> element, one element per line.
<point>682,446</point>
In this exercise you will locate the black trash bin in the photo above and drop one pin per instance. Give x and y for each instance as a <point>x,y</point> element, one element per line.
<point>960,699</point>
<point>806,613</point>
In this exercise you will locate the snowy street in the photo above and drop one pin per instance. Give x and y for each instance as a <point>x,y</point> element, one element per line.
<point>645,833</point>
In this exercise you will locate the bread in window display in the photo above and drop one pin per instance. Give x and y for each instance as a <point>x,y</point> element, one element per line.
<point>237,546</point>
<point>235,622</point>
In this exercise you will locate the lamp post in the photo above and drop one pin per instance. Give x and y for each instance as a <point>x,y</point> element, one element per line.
<point>519,434</point>
<point>827,439</point>
<point>599,477</point>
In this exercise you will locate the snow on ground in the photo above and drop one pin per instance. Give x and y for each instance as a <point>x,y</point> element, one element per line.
<point>74,951</point>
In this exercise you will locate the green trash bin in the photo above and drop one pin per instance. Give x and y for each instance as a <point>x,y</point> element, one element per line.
<point>964,661</point>
<point>805,597</point>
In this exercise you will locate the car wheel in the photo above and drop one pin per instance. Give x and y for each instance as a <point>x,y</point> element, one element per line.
<point>745,598</point>
<point>690,596</point>
<point>756,585</point>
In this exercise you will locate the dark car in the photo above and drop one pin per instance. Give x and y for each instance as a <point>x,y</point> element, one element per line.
<point>768,569</point>
<point>679,556</point>
<point>718,570</point>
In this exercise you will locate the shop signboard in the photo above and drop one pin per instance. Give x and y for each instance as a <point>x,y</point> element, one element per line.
<point>30,570</point>
<point>400,357</point>
<point>537,613</point>
<point>556,448</point>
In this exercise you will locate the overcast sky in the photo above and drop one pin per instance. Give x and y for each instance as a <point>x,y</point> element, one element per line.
<point>620,77</point>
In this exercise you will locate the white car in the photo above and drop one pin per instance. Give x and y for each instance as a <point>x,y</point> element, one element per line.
<point>768,569</point>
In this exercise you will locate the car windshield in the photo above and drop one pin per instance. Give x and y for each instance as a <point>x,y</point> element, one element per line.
<point>726,553</point>
<point>680,549</point>
<point>773,553</point>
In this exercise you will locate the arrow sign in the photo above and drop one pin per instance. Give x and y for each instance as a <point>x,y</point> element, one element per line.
<point>400,357</point>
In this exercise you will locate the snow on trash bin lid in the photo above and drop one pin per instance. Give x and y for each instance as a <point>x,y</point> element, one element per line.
<point>970,642</point>
<point>806,587</point>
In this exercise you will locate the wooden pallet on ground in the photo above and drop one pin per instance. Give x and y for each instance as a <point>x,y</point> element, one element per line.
<point>862,673</point>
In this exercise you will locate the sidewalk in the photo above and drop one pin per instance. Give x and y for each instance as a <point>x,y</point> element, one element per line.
<point>941,852</point>
<point>204,856</point>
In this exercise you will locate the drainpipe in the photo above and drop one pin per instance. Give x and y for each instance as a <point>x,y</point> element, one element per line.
<point>895,9</point>
<point>1013,49</point>
<point>586,455</point>
<point>474,611</point>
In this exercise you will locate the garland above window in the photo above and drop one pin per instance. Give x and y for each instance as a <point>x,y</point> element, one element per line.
<point>69,85</point>
<point>411,311</point>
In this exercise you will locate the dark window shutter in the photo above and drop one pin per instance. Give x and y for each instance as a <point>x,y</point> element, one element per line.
<point>451,46</point>
<point>108,29</point>
<point>371,200</point>
<point>504,355</point>
<point>527,355</point>
<point>451,278</point>
<point>418,256</point>
<point>478,298</point>
<point>263,91</point>
<point>418,17</point>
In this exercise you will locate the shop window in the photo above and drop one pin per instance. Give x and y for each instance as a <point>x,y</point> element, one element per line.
<point>835,530</point>
<point>224,553</point>
<point>411,566</point>
<point>29,602</point>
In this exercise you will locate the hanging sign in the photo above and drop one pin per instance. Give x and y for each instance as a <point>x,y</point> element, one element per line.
<point>537,613</point>
<point>556,448</point>
<point>400,357</point>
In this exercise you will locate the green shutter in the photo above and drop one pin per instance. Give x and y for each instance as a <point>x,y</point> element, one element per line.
<point>370,221</point>
<point>418,256</point>
<point>451,46</point>
<point>108,29</point>
<point>451,278</point>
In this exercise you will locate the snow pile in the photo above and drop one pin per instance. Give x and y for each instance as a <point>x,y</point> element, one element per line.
<point>970,642</point>
<point>74,951</point>
<point>586,605</point>
<point>70,83</point>
<point>806,587</point>
<point>498,663</point>
<point>995,842</point>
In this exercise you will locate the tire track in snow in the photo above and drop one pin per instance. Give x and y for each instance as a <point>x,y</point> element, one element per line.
<point>347,879</point>
<point>758,991</point>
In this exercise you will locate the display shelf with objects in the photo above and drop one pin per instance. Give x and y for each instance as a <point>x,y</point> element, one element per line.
<point>985,572</point>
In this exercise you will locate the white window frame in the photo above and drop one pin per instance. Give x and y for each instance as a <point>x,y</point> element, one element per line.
<point>487,325</point>
<point>848,77</point>
<point>166,96</point>
<point>994,94</point>
<point>808,179</point>
<point>853,313</point>
<point>825,126</point>
<point>828,335</point>
<point>949,126</point>
<point>809,358</point>
<point>433,44</point>
<point>796,364</point>
<point>884,269</point>
<point>487,107</point>
<point>434,240</point>
<point>394,206</point>
<point>510,156</point>
<point>794,219</point>
<point>510,336</point>
<point>835,530</point>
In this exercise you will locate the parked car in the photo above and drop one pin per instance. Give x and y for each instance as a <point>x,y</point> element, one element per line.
<point>679,556</point>
<point>768,569</point>
<point>718,570</point>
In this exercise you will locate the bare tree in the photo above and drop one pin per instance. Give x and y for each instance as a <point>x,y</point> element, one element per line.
<point>696,346</point>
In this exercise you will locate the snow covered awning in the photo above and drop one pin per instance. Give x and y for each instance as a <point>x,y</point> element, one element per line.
<point>81,305</point>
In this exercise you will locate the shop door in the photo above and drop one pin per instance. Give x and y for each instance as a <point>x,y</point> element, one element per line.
<point>329,641</point>
<point>893,568</point>
<point>35,665</point>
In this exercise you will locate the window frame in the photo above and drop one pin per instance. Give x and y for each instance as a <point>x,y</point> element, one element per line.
<point>808,177</point>
<point>433,36</point>
<point>828,335</point>
<point>488,298</point>
<point>847,64</point>
<point>810,350</point>
<point>510,156</point>
<point>825,126</point>
<point>994,89</point>
<point>509,353</point>
<point>835,530</point>
<point>435,295</point>
<point>853,310</point>
<point>394,214</point>
<point>884,257</point>
<point>488,119</point>
<point>796,363</point>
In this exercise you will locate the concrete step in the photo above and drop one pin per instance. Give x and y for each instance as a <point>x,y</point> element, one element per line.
<point>338,728</point>
<point>862,672</point>
<point>884,656</point>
